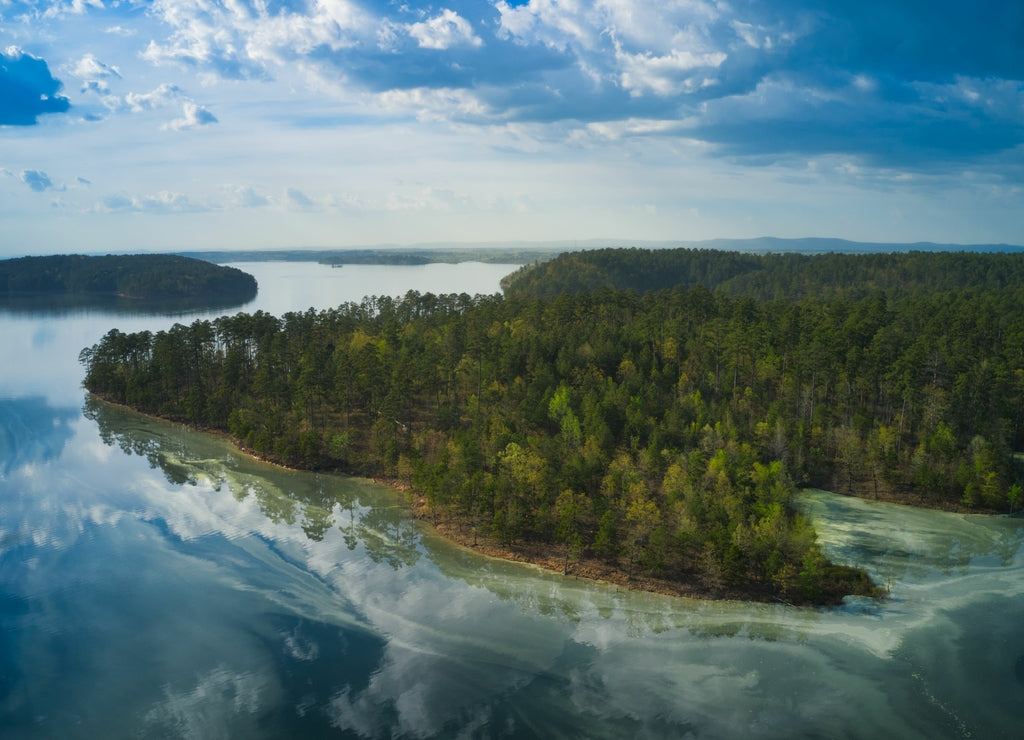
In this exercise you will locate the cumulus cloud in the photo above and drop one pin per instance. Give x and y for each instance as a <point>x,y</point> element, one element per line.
<point>27,89</point>
<point>161,202</point>
<point>436,104</point>
<point>91,68</point>
<point>792,77</point>
<point>94,74</point>
<point>37,180</point>
<point>246,197</point>
<point>242,40</point>
<point>74,7</point>
<point>193,116</point>
<point>555,24</point>
<point>670,74</point>
<point>156,98</point>
<point>444,31</point>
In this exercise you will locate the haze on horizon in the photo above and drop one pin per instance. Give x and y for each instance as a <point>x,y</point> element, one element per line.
<point>230,124</point>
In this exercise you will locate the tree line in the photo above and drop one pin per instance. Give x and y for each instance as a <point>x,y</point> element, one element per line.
<point>773,276</point>
<point>137,276</point>
<point>664,432</point>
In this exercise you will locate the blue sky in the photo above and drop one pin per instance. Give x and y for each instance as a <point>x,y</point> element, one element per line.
<point>181,124</point>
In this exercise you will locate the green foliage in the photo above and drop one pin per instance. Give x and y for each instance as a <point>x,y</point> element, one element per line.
<point>663,431</point>
<point>147,277</point>
<point>768,277</point>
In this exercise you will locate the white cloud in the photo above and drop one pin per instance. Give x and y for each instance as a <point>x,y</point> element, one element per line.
<point>434,104</point>
<point>865,83</point>
<point>553,23</point>
<point>75,7</point>
<point>193,116</point>
<point>167,202</point>
<point>612,130</point>
<point>162,202</point>
<point>427,198</point>
<point>120,31</point>
<point>241,42</point>
<point>561,24</point>
<point>444,31</point>
<point>91,68</point>
<point>668,74</point>
<point>753,36</point>
<point>157,98</point>
<point>246,197</point>
<point>660,25</point>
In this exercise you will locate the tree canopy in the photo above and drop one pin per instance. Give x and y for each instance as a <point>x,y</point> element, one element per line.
<point>147,277</point>
<point>764,277</point>
<point>664,431</point>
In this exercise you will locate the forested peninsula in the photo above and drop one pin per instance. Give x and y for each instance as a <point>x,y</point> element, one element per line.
<point>660,434</point>
<point>138,278</point>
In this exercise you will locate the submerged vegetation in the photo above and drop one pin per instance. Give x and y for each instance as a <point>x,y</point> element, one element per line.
<point>662,432</point>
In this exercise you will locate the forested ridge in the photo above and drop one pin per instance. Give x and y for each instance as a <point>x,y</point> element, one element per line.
<point>138,276</point>
<point>663,432</point>
<point>765,277</point>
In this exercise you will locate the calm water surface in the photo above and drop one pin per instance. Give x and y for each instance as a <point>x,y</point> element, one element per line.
<point>156,583</point>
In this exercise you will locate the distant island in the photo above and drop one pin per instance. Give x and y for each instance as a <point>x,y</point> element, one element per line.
<point>139,280</point>
<point>640,416</point>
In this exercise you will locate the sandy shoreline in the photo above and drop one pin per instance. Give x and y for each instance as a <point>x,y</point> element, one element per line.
<point>552,557</point>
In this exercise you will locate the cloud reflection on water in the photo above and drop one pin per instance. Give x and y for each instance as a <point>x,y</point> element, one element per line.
<point>319,600</point>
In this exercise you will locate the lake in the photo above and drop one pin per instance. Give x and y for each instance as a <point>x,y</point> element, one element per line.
<point>157,583</point>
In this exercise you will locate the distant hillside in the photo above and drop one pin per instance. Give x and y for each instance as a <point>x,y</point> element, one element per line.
<point>769,276</point>
<point>140,277</point>
<point>525,252</point>
<point>822,245</point>
<point>497,253</point>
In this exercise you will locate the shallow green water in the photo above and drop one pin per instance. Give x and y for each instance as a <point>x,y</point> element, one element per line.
<point>156,583</point>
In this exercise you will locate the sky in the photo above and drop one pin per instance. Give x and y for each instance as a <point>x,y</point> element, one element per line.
<point>223,124</point>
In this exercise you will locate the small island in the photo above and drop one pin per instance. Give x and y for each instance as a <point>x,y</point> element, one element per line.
<point>654,438</point>
<point>143,281</point>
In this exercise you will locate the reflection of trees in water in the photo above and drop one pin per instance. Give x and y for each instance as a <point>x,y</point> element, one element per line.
<point>641,614</point>
<point>55,305</point>
<point>316,502</point>
<point>390,536</point>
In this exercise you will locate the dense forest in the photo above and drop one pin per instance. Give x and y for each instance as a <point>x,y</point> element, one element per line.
<point>664,432</point>
<point>145,277</point>
<point>765,277</point>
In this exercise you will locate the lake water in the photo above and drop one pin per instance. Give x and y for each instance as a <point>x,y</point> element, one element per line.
<point>156,583</point>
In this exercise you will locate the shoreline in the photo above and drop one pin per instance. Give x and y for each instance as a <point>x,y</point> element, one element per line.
<point>866,490</point>
<point>552,558</point>
<point>549,556</point>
